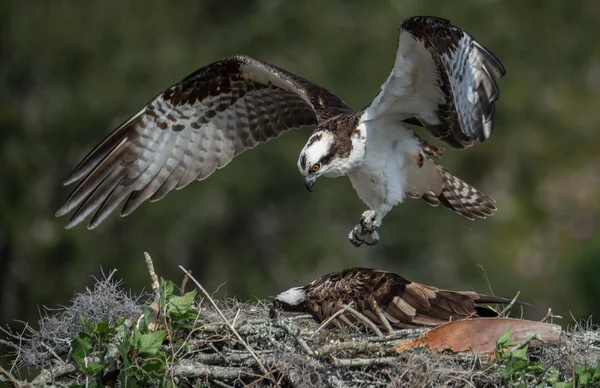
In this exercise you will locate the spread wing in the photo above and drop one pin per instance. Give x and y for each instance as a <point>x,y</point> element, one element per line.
<point>193,128</point>
<point>442,79</point>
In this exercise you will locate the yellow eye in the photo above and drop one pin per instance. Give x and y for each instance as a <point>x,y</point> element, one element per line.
<point>316,167</point>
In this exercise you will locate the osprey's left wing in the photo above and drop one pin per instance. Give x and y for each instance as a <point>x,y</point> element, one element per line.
<point>443,79</point>
<point>192,129</point>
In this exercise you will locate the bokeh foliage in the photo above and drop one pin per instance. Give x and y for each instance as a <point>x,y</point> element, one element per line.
<point>73,70</point>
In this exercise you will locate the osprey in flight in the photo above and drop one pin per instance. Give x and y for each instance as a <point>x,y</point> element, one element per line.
<point>442,79</point>
<point>387,299</point>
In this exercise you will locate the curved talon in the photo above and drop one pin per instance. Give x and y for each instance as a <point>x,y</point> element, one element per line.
<point>358,236</point>
<point>372,240</point>
<point>354,239</point>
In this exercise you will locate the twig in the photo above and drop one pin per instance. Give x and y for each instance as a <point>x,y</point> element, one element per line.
<point>383,319</point>
<point>220,383</point>
<point>350,345</point>
<point>300,317</point>
<point>9,344</point>
<point>49,349</point>
<point>50,375</point>
<point>399,334</point>
<point>487,279</point>
<point>260,364</point>
<point>364,320</point>
<point>189,335</point>
<point>510,305</point>
<point>184,283</point>
<point>550,316</point>
<point>235,317</point>
<point>305,346</point>
<point>524,343</point>
<point>11,377</point>
<point>541,376</point>
<point>155,283</point>
<point>351,362</point>
<point>191,369</point>
<point>328,320</point>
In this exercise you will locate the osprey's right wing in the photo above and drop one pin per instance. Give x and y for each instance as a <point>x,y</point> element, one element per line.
<point>442,79</point>
<point>190,130</point>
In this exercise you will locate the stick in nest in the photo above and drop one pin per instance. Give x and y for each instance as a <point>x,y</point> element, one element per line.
<point>524,343</point>
<point>510,305</point>
<point>10,376</point>
<point>186,277</point>
<point>353,362</point>
<point>359,316</point>
<point>364,320</point>
<point>383,319</point>
<point>550,317</point>
<point>212,301</point>
<point>328,320</point>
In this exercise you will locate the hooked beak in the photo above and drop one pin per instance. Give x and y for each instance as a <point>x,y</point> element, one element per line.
<point>308,183</point>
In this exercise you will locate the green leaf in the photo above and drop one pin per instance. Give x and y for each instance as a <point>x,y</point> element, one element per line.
<point>504,337</point>
<point>520,354</point>
<point>86,323</point>
<point>166,292</point>
<point>552,376</point>
<point>190,315</point>
<point>101,327</point>
<point>597,371</point>
<point>155,365</point>
<point>584,376</point>
<point>81,348</point>
<point>565,384</point>
<point>180,305</point>
<point>94,367</point>
<point>125,347</point>
<point>147,319</point>
<point>168,384</point>
<point>128,378</point>
<point>150,343</point>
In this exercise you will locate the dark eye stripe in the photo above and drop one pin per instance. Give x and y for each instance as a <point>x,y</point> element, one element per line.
<point>327,157</point>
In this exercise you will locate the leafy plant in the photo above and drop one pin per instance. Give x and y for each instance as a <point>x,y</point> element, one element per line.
<point>518,370</point>
<point>141,358</point>
<point>92,341</point>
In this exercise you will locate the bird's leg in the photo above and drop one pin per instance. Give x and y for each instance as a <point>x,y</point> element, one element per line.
<point>365,231</point>
<point>357,237</point>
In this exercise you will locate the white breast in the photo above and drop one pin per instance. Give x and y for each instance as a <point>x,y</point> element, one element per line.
<point>381,178</point>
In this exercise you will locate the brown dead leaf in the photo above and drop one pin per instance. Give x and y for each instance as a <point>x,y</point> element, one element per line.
<point>479,335</point>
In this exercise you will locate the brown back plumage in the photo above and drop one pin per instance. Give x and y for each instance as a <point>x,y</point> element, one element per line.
<point>403,303</point>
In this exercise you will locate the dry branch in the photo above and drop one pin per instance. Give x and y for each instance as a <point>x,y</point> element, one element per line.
<point>260,364</point>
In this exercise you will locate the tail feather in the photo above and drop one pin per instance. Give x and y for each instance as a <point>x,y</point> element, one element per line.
<point>461,197</point>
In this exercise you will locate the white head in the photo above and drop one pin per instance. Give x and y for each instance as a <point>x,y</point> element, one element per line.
<point>331,154</point>
<point>291,301</point>
<point>293,297</point>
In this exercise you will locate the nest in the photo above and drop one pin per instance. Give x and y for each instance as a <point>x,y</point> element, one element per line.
<point>241,343</point>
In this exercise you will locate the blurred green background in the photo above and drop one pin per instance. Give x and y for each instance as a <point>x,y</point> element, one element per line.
<point>73,70</point>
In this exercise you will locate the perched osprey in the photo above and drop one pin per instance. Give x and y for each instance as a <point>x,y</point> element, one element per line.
<point>442,79</point>
<point>381,296</point>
